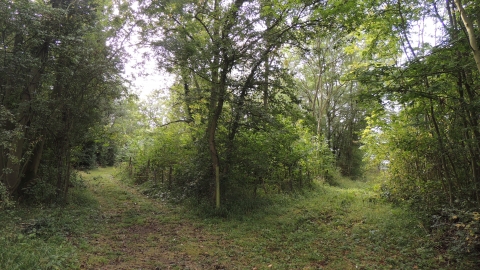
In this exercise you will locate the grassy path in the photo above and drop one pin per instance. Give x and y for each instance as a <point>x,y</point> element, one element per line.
<point>110,225</point>
<point>136,232</point>
<point>332,228</point>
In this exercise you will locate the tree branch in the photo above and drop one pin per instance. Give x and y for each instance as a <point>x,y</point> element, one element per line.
<point>177,121</point>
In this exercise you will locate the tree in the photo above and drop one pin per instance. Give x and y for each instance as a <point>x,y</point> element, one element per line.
<point>219,49</point>
<point>470,27</point>
<point>433,134</point>
<point>332,98</point>
<point>64,72</point>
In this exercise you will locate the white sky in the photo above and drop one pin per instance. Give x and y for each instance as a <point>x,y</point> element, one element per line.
<point>144,74</point>
<point>146,77</point>
<point>141,71</point>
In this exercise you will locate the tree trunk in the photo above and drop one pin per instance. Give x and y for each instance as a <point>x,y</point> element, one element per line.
<point>32,167</point>
<point>13,176</point>
<point>217,187</point>
<point>467,21</point>
<point>443,150</point>
<point>212,128</point>
<point>170,172</point>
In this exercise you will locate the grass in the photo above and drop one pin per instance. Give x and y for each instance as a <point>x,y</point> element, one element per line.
<point>39,237</point>
<point>330,227</point>
<point>111,225</point>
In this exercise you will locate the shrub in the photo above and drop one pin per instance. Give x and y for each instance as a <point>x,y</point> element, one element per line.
<point>459,231</point>
<point>5,199</point>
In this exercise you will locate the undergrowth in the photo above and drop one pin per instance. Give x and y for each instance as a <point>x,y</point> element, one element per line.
<point>350,224</point>
<point>346,226</point>
<point>38,237</point>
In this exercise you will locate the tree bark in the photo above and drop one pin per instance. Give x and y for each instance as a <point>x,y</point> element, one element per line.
<point>212,127</point>
<point>221,65</point>
<point>467,21</point>
<point>32,167</point>
<point>13,176</point>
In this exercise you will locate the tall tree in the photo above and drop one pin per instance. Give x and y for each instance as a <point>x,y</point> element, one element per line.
<point>221,47</point>
<point>332,98</point>
<point>64,72</point>
<point>433,125</point>
<point>468,22</point>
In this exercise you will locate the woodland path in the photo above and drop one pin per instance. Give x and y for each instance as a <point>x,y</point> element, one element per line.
<point>345,227</point>
<point>141,233</point>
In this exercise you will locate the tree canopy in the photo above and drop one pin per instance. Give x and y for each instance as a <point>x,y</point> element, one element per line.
<point>58,80</point>
<point>268,96</point>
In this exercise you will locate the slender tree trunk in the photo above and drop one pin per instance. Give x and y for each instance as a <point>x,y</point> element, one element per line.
<point>471,133</point>
<point>170,172</point>
<point>13,176</point>
<point>467,21</point>
<point>267,66</point>
<point>212,127</point>
<point>214,114</point>
<point>33,164</point>
<point>442,149</point>
<point>217,187</point>
<point>265,89</point>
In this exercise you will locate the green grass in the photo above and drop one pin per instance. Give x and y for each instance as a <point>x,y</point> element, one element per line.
<point>110,224</point>
<point>39,237</point>
<point>331,227</point>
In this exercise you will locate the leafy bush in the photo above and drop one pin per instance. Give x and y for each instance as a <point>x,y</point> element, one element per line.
<point>5,200</point>
<point>41,191</point>
<point>459,230</point>
<point>44,191</point>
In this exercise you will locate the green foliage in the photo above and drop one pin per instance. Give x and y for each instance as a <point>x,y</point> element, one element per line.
<point>311,228</point>
<point>330,97</point>
<point>338,227</point>
<point>34,237</point>
<point>25,253</point>
<point>459,230</point>
<point>59,79</point>
<point>281,156</point>
<point>6,201</point>
<point>42,191</point>
<point>426,131</point>
<point>234,91</point>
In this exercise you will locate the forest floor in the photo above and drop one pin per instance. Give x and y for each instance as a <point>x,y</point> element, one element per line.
<point>112,225</point>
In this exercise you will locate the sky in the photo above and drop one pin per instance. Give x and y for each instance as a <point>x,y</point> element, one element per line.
<point>144,74</point>
<point>146,77</point>
<point>141,71</point>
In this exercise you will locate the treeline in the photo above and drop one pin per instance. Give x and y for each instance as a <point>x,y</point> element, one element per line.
<point>58,81</point>
<point>235,123</point>
<point>259,85</point>
<point>427,127</point>
<point>270,95</point>
<point>430,134</point>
